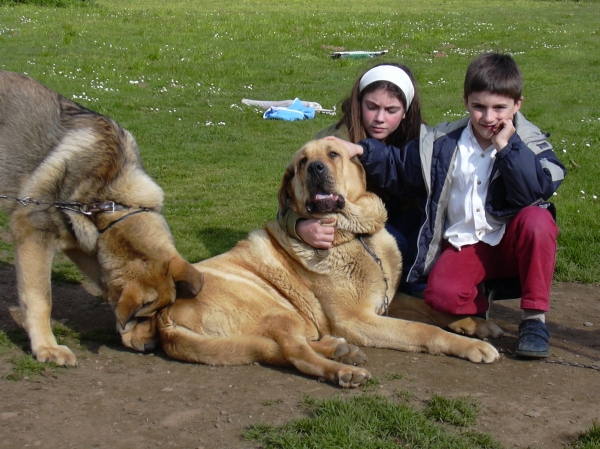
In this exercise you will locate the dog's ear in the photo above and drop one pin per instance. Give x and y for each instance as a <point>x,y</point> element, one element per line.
<point>188,280</point>
<point>85,231</point>
<point>128,304</point>
<point>284,190</point>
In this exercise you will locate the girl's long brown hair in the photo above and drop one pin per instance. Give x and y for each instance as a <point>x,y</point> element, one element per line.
<point>352,116</point>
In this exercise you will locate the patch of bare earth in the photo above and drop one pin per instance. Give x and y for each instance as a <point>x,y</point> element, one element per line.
<point>116,398</point>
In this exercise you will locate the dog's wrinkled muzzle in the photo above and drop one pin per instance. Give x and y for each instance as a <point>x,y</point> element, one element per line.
<point>321,187</point>
<point>139,334</point>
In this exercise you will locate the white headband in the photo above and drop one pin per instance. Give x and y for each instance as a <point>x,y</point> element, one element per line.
<point>392,74</point>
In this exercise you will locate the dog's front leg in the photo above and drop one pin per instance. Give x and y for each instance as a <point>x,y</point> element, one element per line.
<point>414,309</point>
<point>34,252</point>
<point>371,330</point>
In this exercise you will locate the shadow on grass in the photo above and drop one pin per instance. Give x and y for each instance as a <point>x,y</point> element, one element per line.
<point>219,240</point>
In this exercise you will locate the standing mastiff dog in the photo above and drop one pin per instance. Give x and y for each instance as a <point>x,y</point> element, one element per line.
<point>275,300</point>
<point>72,180</point>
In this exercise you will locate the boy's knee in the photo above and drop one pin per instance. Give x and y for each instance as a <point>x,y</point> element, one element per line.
<point>444,299</point>
<point>536,221</point>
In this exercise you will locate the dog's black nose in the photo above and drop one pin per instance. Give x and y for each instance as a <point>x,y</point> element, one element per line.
<point>150,346</point>
<point>316,167</point>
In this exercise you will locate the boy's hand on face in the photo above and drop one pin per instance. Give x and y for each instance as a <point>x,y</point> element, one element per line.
<point>502,133</point>
<point>353,149</point>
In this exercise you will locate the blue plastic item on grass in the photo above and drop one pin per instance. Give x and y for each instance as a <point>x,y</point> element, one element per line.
<point>295,111</point>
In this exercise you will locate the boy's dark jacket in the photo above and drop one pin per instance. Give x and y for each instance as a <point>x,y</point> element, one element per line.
<point>526,172</point>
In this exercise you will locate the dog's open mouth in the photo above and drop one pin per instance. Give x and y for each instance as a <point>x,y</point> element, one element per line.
<point>324,202</point>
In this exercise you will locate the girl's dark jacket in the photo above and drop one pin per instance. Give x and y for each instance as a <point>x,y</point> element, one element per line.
<point>526,172</point>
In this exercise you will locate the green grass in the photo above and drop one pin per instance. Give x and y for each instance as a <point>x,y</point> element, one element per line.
<point>48,3</point>
<point>25,366</point>
<point>366,421</point>
<point>587,440</point>
<point>14,346</point>
<point>459,412</point>
<point>6,343</point>
<point>393,376</point>
<point>174,73</point>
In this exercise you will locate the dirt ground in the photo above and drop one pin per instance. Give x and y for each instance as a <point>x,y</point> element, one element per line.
<point>117,398</point>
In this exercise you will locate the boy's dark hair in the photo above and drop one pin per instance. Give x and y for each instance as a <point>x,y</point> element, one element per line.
<point>495,73</point>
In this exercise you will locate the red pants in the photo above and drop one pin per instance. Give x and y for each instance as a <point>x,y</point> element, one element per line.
<point>527,250</point>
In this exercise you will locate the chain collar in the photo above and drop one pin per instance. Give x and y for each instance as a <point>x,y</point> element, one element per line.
<point>81,208</point>
<point>386,300</point>
<point>85,209</point>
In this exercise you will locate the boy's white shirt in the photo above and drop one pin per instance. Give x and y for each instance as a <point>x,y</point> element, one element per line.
<point>466,220</point>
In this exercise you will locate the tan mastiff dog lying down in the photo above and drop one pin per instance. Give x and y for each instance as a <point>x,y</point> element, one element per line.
<point>273,299</point>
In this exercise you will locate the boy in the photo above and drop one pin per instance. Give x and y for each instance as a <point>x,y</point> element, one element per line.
<point>487,179</point>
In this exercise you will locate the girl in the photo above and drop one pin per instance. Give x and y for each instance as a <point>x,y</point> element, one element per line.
<point>384,104</point>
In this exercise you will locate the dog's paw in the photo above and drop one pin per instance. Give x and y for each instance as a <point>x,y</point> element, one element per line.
<point>476,327</point>
<point>487,329</point>
<point>350,377</point>
<point>349,354</point>
<point>481,352</point>
<point>60,355</point>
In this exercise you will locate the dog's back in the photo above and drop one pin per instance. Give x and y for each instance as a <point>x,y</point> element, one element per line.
<point>29,127</point>
<point>42,135</point>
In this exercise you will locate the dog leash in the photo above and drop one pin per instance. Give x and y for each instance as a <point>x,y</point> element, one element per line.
<point>111,224</point>
<point>85,209</point>
<point>386,300</point>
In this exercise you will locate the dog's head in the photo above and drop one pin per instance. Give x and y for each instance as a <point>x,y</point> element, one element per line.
<point>320,179</point>
<point>142,273</point>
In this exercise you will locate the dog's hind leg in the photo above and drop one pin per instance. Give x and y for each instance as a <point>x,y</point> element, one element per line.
<point>87,264</point>
<point>297,350</point>
<point>186,345</point>
<point>34,252</point>
<point>289,333</point>
<point>182,343</point>
<point>283,344</point>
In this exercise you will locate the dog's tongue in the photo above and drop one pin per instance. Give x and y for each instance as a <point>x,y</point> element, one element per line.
<point>326,197</point>
<point>325,202</point>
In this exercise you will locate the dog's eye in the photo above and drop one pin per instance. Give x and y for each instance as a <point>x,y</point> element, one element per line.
<point>333,154</point>
<point>302,162</point>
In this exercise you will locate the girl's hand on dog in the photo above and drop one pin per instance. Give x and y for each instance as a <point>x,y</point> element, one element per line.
<point>318,233</point>
<point>353,149</point>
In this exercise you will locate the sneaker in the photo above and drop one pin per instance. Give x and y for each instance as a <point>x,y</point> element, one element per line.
<point>534,338</point>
